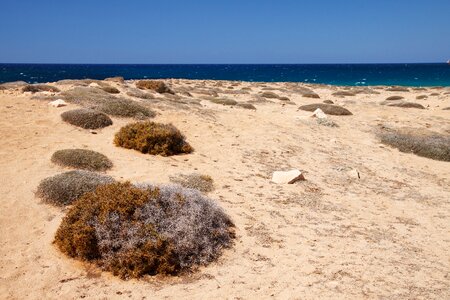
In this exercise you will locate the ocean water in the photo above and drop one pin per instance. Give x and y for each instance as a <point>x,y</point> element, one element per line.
<point>437,74</point>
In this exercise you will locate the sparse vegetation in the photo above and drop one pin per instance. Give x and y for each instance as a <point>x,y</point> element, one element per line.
<point>203,183</point>
<point>405,104</point>
<point>343,93</point>
<point>82,159</point>
<point>269,95</point>
<point>125,108</point>
<point>35,88</point>
<point>63,189</point>
<point>152,138</point>
<point>246,106</point>
<point>420,97</point>
<point>328,101</point>
<point>110,89</point>
<point>397,89</point>
<point>155,85</point>
<point>118,79</point>
<point>137,93</point>
<point>86,118</point>
<point>393,98</point>
<point>326,122</point>
<point>422,143</point>
<point>223,101</point>
<point>329,109</point>
<point>147,230</point>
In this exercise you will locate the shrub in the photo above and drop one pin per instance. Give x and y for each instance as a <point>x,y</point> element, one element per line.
<point>391,98</point>
<point>420,97</point>
<point>343,93</point>
<point>405,104</point>
<point>223,101</point>
<point>111,89</point>
<point>434,94</point>
<point>329,109</point>
<point>326,122</point>
<point>86,118</point>
<point>152,138</point>
<point>118,79</point>
<point>446,108</point>
<point>311,95</point>
<point>135,231</point>
<point>328,101</point>
<point>426,144</point>
<point>126,109</point>
<point>397,89</point>
<point>82,159</point>
<point>63,189</point>
<point>203,183</point>
<point>155,85</point>
<point>269,95</point>
<point>35,88</point>
<point>137,93</point>
<point>247,106</point>
<point>12,85</point>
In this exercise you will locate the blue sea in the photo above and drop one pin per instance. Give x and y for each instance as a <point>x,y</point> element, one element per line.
<point>436,74</point>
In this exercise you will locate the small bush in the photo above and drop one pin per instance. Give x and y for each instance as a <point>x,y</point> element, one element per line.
<point>420,97</point>
<point>326,122</point>
<point>311,95</point>
<point>269,95</point>
<point>446,108</point>
<point>203,183</point>
<point>12,85</point>
<point>391,98</point>
<point>223,101</point>
<point>86,118</point>
<point>137,93</point>
<point>135,231</point>
<point>152,138</point>
<point>328,101</point>
<point>343,93</point>
<point>434,94</point>
<point>82,159</point>
<point>329,109</point>
<point>426,144</point>
<point>155,85</point>
<point>405,104</point>
<point>246,106</point>
<point>110,89</point>
<point>118,79</point>
<point>126,109</point>
<point>63,189</point>
<point>35,88</point>
<point>397,89</point>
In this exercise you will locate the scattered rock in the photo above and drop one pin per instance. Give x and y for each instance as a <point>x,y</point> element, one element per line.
<point>58,103</point>
<point>289,177</point>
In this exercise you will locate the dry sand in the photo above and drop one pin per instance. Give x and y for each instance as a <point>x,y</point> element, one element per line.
<point>383,236</point>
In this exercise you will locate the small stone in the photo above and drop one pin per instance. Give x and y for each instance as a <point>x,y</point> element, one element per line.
<point>318,113</point>
<point>58,103</point>
<point>93,132</point>
<point>354,173</point>
<point>288,177</point>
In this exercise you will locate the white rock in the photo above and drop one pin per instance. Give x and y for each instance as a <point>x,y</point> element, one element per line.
<point>318,113</point>
<point>354,173</point>
<point>58,103</point>
<point>287,176</point>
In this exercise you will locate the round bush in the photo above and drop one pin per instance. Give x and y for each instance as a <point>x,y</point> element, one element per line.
<point>203,183</point>
<point>65,188</point>
<point>329,109</point>
<point>134,231</point>
<point>82,159</point>
<point>126,108</point>
<point>155,85</point>
<point>152,138</point>
<point>86,118</point>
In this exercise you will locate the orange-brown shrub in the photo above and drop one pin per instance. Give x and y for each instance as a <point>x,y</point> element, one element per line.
<point>155,85</point>
<point>152,138</point>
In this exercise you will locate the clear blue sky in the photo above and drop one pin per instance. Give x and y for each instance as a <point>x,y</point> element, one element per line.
<point>227,31</point>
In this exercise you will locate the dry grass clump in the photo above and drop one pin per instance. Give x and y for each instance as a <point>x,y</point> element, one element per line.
<point>420,97</point>
<point>63,189</point>
<point>110,89</point>
<point>223,101</point>
<point>246,106</point>
<point>86,118</point>
<point>152,138</point>
<point>329,109</point>
<point>82,159</point>
<point>310,95</point>
<point>203,183</point>
<point>427,144</point>
<point>391,98</point>
<point>326,122</point>
<point>125,108</point>
<point>118,79</point>
<point>344,93</point>
<point>155,85</point>
<point>35,88</point>
<point>405,104</point>
<point>135,231</point>
<point>137,93</point>
<point>397,89</point>
<point>269,95</point>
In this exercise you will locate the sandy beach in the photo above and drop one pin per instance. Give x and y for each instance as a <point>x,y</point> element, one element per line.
<point>384,234</point>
